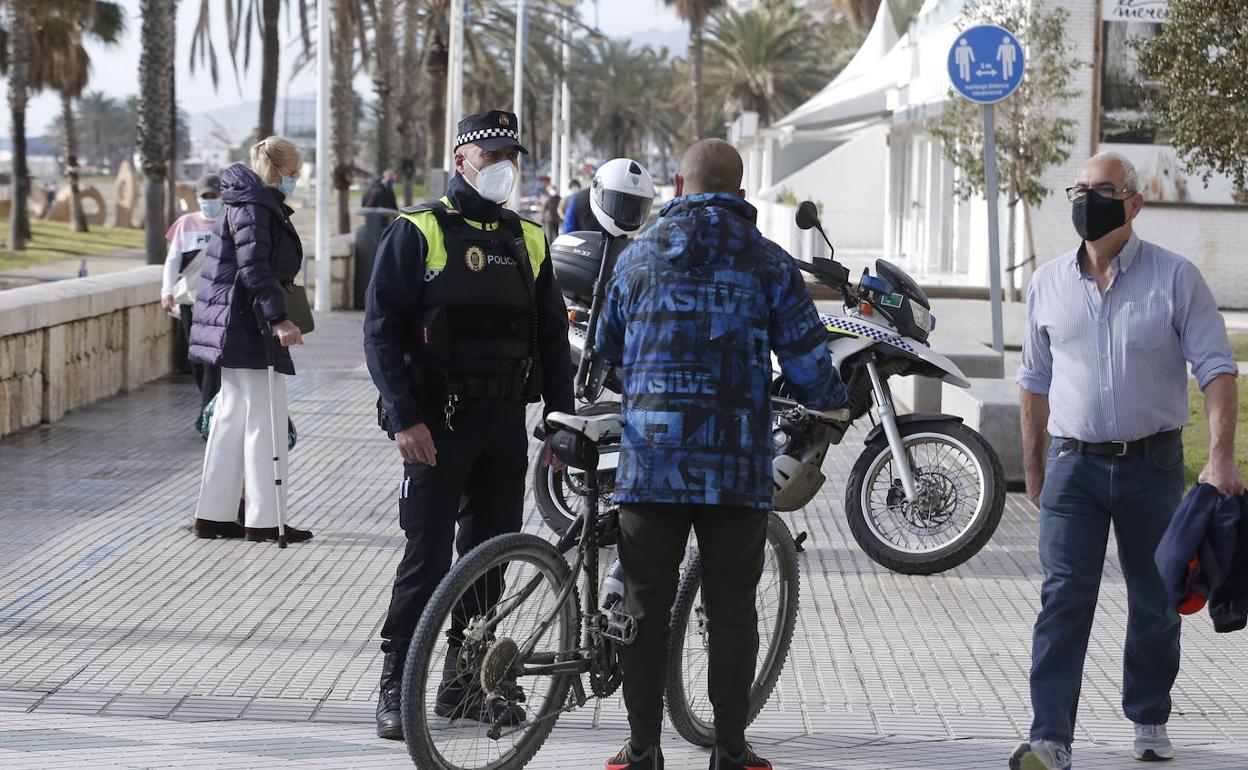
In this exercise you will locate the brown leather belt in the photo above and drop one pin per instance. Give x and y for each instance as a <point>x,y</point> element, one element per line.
<point>1121,448</point>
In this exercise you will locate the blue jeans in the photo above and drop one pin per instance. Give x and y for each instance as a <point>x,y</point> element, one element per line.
<point>1082,495</point>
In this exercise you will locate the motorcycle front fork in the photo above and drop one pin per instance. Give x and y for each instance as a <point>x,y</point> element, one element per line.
<point>888,418</point>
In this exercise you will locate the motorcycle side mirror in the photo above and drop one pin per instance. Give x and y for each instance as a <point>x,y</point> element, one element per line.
<point>807,215</point>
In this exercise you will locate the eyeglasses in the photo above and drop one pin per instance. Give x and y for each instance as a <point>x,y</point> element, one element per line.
<point>1104,190</point>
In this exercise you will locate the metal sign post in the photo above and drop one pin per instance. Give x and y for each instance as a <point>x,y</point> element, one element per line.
<point>986,65</point>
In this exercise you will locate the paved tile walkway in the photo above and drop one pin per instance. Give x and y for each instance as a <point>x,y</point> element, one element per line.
<point>126,643</point>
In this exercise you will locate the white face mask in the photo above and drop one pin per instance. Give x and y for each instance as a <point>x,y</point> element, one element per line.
<point>494,182</point>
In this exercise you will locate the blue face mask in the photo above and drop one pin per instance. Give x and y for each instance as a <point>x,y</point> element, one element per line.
<point>287,185</point>
<point>211,207</point>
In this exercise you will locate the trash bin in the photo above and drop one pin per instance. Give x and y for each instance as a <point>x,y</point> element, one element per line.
<point>367,236</point>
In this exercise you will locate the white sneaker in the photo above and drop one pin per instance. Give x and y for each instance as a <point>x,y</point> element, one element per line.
<point>1152,744</point>
<point>1041,755</point>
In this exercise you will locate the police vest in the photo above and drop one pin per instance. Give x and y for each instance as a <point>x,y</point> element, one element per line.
<point>478,335</point>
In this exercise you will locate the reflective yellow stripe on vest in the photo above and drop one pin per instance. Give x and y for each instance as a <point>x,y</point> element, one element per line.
<point>435,257</point>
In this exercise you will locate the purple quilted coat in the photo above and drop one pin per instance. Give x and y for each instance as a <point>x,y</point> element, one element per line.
<point>254,252</point>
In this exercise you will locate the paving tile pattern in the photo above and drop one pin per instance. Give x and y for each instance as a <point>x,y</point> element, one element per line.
<point>127,643</point>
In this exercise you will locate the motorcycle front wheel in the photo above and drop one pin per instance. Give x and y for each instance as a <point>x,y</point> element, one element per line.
<point>961,498</point>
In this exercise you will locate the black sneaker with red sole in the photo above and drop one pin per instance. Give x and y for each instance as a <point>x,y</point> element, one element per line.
<point>650,759</point>
<point>747,760</point>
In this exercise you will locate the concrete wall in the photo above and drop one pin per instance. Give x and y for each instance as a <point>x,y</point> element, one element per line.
<point>342,269</point>
<point>70,343</point>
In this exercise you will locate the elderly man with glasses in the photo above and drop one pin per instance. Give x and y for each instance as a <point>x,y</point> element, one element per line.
<point>1112,326</point>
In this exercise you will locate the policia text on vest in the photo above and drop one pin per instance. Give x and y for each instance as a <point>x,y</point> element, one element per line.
<point>464,326</point>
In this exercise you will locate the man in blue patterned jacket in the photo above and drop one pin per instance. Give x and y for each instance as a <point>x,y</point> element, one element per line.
<point>693,311</point>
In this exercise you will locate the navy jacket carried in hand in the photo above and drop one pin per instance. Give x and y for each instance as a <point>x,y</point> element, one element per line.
<point>254,251</point>
<point>694,309</point>
<point>1211,528</point>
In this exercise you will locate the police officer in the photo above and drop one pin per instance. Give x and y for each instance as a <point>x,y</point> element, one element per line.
<point>465,324</point>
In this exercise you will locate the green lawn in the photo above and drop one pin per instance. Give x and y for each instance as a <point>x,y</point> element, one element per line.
<point>1239,344</point>
<point>1196,434</point>
<point>53,241</point>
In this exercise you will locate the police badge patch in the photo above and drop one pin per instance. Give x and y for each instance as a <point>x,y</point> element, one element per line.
<point>475,258</point>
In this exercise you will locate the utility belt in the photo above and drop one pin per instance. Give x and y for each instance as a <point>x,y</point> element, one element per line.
<point>453,391</point>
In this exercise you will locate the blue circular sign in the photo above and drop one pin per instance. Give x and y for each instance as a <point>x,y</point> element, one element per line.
<point>986,63</point>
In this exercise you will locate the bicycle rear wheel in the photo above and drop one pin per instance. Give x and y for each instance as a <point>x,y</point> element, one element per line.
<point>467,705</point>
<point>688,699</point>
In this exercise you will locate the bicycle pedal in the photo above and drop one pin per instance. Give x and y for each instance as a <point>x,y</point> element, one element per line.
<point>620,628</point>
<point>799,540</point>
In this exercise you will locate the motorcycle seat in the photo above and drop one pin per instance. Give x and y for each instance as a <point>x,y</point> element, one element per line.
<point>596,428</point>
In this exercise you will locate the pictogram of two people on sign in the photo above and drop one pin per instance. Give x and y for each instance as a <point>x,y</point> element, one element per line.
<point>1007,57</point>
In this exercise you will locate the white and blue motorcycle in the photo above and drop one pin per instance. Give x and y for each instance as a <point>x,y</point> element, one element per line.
<point>926,493</point>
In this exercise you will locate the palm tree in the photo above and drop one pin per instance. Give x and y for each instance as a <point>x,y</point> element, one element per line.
<point>61,63</point>
<point>630,89</point>
<point>410,87</point>
<point>241,16</point>
<point>769,60</point>
<point>383,82</point>
<point>696,13</point>
<point>18,64</point>
<point>343,104</point>
<point>156,114</point>
<point>860,13</point>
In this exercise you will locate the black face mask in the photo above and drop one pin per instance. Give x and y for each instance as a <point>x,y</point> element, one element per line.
<point>1096,216</point>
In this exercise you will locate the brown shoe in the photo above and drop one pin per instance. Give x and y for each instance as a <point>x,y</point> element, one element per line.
<point>261,534</point>
<point>211,530</point>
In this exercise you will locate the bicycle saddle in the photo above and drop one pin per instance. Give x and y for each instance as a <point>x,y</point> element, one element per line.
<point>593,427</point>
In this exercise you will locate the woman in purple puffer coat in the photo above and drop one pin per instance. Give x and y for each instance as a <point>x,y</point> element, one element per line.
<point>255,253</point>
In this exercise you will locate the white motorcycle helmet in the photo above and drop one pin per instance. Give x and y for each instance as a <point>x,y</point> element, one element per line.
<point>620,196</point>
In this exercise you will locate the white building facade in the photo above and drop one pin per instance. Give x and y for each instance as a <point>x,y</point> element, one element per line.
<point>860,148</point>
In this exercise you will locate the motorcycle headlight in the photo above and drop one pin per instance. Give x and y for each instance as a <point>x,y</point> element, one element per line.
<point>921,315</point>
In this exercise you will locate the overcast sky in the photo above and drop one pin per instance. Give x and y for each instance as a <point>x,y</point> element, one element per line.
<point>115,69</point>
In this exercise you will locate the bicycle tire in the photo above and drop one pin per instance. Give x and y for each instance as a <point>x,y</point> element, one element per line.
<point>416,711</point>
<point>689,724</point>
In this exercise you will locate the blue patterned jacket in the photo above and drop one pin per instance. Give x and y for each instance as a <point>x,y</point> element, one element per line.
<point>693,310</point>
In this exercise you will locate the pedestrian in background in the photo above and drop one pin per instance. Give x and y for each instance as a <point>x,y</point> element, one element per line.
<point>380,194</point>
<point>247,268</point>
<point>188,236</point>
<point>1111,328</point>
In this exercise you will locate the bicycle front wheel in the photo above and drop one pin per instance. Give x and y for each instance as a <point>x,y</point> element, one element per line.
<point>688,659</point>
<point>473,699</point>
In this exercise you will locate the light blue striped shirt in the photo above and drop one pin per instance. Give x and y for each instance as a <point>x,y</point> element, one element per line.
<point>1113,366</point>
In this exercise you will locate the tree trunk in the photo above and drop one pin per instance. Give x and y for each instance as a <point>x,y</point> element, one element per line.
<point>383,83</point>
<point>77,218</point>
<point>1029,249</point>
<point>407,105</point>
<point>342,105</point>
<point>155,62</point>
<point>269,69</point>
<point>695,54</point>
<point>172,209</point>
<point>436,63</point>
<point>19,62</point>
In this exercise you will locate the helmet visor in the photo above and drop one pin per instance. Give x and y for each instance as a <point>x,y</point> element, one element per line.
<point>628,211</point>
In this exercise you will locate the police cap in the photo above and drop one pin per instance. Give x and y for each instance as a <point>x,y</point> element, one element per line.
<point>493,130</point>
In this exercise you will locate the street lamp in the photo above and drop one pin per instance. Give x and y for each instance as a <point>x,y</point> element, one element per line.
<point>454,84</point>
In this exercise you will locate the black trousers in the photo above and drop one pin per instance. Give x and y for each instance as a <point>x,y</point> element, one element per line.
<point>478,483</point>
<point>651,547</point>
<point>207,376</point>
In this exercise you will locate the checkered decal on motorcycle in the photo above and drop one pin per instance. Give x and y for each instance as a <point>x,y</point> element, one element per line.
<point>847,326</point>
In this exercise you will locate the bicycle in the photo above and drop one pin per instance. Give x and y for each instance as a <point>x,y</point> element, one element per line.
<point>518,660</point>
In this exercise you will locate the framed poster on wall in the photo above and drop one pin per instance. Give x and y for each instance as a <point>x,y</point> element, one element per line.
<point>1123,123</point>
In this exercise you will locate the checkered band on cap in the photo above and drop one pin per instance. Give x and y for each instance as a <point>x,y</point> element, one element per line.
<point>486,133</point>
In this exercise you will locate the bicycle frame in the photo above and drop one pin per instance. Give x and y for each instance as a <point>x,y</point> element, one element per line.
<point>586,561</point>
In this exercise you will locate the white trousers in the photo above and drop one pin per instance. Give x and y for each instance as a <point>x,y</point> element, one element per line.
<point>240,449</point>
